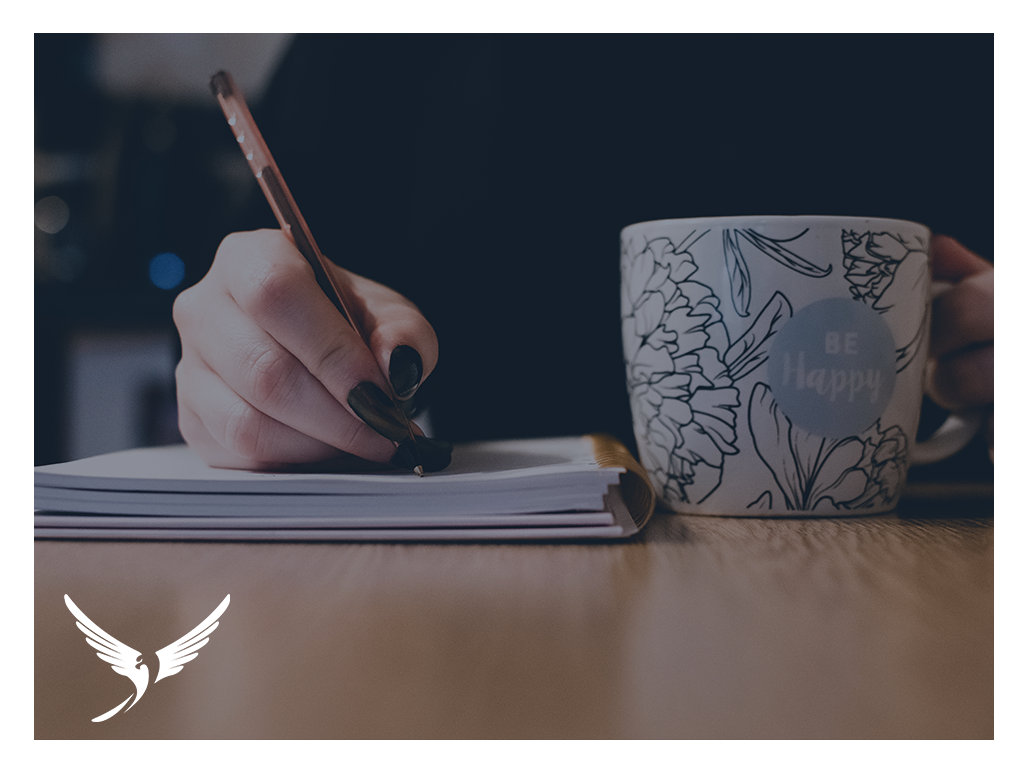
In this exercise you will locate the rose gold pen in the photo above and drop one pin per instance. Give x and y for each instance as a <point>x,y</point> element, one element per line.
<point>290,219</point>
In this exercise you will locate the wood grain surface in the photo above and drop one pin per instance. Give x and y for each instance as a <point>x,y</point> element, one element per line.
<point>878,627</point>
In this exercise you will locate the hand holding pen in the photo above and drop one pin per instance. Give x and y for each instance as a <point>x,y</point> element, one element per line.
<point>289,359</point>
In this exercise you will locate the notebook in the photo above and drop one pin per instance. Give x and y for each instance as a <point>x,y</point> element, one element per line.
<point>586,487</point>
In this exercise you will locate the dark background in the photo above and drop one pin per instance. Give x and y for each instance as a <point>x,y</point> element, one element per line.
<point>529,151</point>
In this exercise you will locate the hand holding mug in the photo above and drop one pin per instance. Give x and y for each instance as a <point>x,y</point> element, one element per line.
<point>961,375</point>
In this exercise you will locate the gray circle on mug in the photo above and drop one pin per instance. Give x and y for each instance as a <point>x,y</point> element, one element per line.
<point>832,367</point>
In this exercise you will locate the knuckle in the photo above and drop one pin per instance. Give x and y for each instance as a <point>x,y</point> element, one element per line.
<point>182,395</point>
<point>184,308</point>
<point>244,248</point>
<point>271,376</point>
<point>273,288</point>
<point>236,245</point>
<point>232,243</point>
<point>246,432</point>
<point>270,292</point>
<point>190,426</point>
<point>334,359</point>
<point>180,380</point>
<point>350,438</point>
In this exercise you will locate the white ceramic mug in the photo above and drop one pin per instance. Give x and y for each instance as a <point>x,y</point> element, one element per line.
<point>775,364</point>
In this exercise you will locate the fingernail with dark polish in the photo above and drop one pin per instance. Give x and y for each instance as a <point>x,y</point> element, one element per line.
<point>378,411</point>
<point>434,455</point>
<point>409,407</point>
<point>405,371</point>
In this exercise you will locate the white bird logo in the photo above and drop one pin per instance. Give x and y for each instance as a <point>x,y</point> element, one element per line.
<point>126,661</point>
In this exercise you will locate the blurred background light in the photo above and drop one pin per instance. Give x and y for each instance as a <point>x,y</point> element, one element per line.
<point>51,214</point>
<point>167,270</point>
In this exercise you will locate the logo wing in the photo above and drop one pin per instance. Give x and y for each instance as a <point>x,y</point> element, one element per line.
<point>172,658</point>
<point>124,659</point>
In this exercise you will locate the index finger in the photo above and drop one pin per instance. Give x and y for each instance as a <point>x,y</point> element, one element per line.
<point>952,261</point>
<point>400,338</point>
<point>963,316</point>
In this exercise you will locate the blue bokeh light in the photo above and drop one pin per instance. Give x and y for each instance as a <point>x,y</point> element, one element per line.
<point>167,270</point>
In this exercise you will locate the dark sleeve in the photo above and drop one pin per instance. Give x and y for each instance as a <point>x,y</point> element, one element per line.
<point>353,121</point>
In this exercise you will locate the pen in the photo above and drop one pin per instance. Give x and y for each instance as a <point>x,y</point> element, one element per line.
<point>288,214</point>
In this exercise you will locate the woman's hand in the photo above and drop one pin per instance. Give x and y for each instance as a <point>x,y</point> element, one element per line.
<point>272,374</point>
<point>962,334</point>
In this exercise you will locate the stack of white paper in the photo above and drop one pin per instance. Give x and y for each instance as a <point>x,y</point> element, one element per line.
<point>523,489</point>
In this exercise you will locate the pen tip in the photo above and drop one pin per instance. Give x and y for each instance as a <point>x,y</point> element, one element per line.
<point>419,471</point>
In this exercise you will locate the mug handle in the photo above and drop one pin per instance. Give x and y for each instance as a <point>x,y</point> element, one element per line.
<point>957,430</point>
<point>950,438</point>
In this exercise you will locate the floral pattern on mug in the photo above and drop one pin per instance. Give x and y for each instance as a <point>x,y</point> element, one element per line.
<point>882,272</point>
<point>682,369</point>
<point>739,274</point>
<point>813,472</point>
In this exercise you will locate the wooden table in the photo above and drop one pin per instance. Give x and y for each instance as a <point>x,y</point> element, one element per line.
<point>877,627</point>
